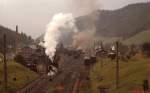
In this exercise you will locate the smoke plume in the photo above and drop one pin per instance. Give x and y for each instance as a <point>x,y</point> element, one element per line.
<point>83,39</point>
<point>84,7</point>
<point>61,26</point>
<point>86,35</point>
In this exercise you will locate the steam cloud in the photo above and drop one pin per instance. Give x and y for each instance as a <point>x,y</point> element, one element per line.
<point>86,36</point>
<point>83,7</point>
<point>83,39</point>
<point>60,27</point>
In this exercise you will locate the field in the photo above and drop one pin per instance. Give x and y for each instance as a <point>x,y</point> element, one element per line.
<point>132,74</point>
<point>139,38</point>
<point>18,77</point>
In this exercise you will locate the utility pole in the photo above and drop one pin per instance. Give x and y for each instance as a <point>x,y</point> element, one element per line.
<point>5,63</point>
<point>16,42</point>
<point>17,28</point>
<point>117,64</point>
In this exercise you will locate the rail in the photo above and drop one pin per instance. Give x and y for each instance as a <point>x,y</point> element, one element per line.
<point>35,86</point>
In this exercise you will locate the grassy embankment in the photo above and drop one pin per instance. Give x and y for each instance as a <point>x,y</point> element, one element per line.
<point>139,38</point>
<point>132,74</point>
<point>18,77</point>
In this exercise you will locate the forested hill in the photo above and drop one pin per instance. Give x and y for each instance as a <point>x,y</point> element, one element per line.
<point>11,37</point>
<point>124,22</point>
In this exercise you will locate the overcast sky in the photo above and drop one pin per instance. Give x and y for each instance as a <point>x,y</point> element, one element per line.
<point>33,15</point>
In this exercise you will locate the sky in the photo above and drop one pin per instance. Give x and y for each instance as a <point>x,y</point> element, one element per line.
<point>32,16</point>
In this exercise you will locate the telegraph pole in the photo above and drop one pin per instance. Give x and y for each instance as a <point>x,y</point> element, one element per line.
<point>17,28</point>
<point>5,63</point>
<point>117,64</point>
<point>16,42</point>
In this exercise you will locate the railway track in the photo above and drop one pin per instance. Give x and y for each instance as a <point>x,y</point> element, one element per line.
<point>64,82</point>
<point>36,86</point>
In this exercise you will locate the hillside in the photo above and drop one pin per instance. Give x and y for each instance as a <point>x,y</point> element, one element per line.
<point>23,77</point>
<point>11,37</point>
<point>119,24</point>
<point>124,22</point>
<point>40,38</point>
<point>132,75</point>
<point>139,38</point>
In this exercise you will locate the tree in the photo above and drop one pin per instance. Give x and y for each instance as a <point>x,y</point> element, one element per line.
<point>1,57</point>
<point>20,59</point>
<point>146,49</point>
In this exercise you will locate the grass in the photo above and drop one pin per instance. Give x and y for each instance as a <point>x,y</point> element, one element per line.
<point>139,38</point>
<point>132,74</point>
<point>23,77</point>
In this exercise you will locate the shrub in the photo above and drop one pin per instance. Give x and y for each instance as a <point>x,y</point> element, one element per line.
<point>146,49</point>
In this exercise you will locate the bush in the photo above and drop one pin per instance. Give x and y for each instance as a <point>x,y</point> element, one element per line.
<point>146,49</point>
<point>19,59</point>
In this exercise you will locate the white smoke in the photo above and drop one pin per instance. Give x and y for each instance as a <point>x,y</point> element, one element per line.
<point>57,29</point>
<point>84,7</point>
<point>83,39</point>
